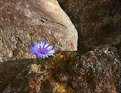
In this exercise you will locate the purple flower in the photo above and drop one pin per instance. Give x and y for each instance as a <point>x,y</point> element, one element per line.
<point>42,49</point>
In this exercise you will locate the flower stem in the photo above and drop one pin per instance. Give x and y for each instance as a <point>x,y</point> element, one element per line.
<point>41,62</point>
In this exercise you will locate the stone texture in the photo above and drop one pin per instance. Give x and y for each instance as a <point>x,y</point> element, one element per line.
<point>97,21</point>
<point>23,22</point>
<point>94,72</point>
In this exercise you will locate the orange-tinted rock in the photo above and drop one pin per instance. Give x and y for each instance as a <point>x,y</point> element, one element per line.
<point>94,72</point>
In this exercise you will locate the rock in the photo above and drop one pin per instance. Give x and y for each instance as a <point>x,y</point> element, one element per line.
<point>94,72</point>
<point>97,21</point>
<point>25,22</point>
<point>10,69</point>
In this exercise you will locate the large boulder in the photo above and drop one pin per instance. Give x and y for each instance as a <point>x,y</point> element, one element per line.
<point>23,22</point>
<point>97,21</point>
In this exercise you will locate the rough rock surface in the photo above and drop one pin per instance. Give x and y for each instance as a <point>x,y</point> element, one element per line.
<point>94,72</point>
<point>97,21</point>
<point>23,22</point>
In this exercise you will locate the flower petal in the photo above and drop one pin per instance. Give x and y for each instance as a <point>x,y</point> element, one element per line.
<point>42,56</point>
<point>51,51</point>
<point>42,43</point>
<point>46,45</point>
<point>50,54</point>
<point>34,50</point>
<point>49,48</point>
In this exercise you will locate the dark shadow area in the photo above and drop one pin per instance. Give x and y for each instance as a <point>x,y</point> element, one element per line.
<point>119,52</point>
<point>97,22</point>
<point>10,69</point>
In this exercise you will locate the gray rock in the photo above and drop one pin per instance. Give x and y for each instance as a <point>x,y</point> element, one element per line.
<point>25,22</point>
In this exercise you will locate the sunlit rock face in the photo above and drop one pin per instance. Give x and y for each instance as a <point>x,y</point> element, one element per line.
<point>97,21</point>
<point>23,22</point>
